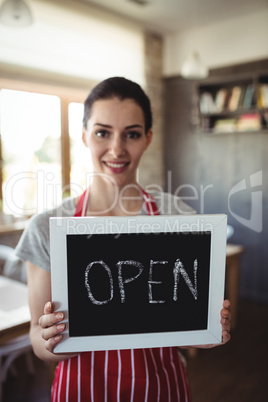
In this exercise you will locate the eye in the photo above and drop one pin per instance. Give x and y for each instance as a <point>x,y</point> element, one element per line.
<point>102,133</point>
<point>133,135</point>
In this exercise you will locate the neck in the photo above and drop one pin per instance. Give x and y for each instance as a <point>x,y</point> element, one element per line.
<point>107,198</point>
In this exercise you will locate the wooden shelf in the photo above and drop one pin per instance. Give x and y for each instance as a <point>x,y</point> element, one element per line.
<point>216,134</point>
<point>236,113</point>
<point>236,104</point>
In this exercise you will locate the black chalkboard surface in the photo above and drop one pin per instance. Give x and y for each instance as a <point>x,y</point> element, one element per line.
<point>137,283</point>
<point>143,288</point>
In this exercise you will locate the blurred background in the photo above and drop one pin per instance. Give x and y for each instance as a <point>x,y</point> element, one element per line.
<point>204,65</point>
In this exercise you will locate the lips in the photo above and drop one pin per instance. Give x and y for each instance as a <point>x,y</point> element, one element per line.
<point>116,167</point>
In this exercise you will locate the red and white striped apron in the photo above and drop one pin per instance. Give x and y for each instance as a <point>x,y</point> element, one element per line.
<point>135,375</point>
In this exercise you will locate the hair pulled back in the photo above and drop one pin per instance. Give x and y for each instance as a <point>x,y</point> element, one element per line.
<point>121,88</point>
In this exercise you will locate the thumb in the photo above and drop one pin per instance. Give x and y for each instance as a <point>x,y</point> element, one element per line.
<point>48,309</point>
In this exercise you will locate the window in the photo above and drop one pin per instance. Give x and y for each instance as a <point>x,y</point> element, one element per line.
<point>41,138</point>
<point>31,151</point>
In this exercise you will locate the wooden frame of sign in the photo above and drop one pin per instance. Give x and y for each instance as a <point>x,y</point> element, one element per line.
<point>138,282</point>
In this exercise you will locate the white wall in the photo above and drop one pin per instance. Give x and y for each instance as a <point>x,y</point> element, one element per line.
<point>234,41</point>
<point>81,41</point>
<point>75,40</point>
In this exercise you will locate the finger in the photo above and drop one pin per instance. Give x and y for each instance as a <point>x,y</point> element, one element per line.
<point>227,304</point>
<point>226,336</point>
<point>52,332</point>
<point>52,342</point>
<point>225,313</point>
<point>48,320</point>
<point>48,309</point>
<point>226,324</point>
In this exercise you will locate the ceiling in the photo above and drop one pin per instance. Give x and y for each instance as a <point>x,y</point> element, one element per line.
<point>174,15</point>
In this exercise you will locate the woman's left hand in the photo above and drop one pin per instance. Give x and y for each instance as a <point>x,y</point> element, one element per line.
<point>226,321</point>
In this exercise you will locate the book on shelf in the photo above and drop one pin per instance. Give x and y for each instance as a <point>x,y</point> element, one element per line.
<point>220,99</point>
<point>246,122</point>
<point>234,100</point>
<point>249,122</point>
<point>248,98</point>
<point>262,96</point>
<point>225,126</point>
<point>207,104</point>
<point>242,97</point>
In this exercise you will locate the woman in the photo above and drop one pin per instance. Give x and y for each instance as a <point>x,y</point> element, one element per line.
<point>117,129</point>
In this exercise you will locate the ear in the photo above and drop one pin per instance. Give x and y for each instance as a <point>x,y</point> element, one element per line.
<point>84,137</point>
<point>149,137</point>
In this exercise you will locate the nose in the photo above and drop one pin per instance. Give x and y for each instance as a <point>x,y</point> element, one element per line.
<point>117,147</point>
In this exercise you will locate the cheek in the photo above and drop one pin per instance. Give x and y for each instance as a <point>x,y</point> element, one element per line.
<point>96,149</point>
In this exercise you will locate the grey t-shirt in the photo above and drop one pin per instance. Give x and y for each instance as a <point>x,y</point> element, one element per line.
<point>34,242</point>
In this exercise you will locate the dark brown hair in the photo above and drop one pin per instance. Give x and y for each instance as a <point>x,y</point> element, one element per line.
<point>121,88</point>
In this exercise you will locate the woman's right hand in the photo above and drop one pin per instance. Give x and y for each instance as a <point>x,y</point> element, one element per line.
<point>46,325</point>
<point>51,326</point>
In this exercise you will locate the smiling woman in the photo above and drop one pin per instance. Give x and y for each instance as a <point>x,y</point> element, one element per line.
<point>117,131</point>
<point>116,136</point>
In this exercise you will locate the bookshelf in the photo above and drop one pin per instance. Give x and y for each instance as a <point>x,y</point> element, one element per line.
<point>234,104</point>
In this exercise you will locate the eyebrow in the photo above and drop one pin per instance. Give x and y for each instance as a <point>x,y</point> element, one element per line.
<point>127,127</point>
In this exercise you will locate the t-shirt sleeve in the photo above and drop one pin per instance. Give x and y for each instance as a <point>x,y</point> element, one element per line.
<point>33,245</point>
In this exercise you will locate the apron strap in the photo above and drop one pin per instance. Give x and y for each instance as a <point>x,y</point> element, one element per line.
<point>80,209</point>
<point>150,203</point>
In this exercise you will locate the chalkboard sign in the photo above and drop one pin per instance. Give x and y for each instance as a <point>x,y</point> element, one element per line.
<point>136,282</point>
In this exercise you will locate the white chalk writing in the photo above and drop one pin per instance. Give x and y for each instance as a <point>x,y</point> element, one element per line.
<point>122,281</point>
<point>178,270</point>
<point>90,295</point>
<point>151,282</point>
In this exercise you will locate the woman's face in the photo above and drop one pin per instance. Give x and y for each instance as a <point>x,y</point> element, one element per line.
<point>116,137</point>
